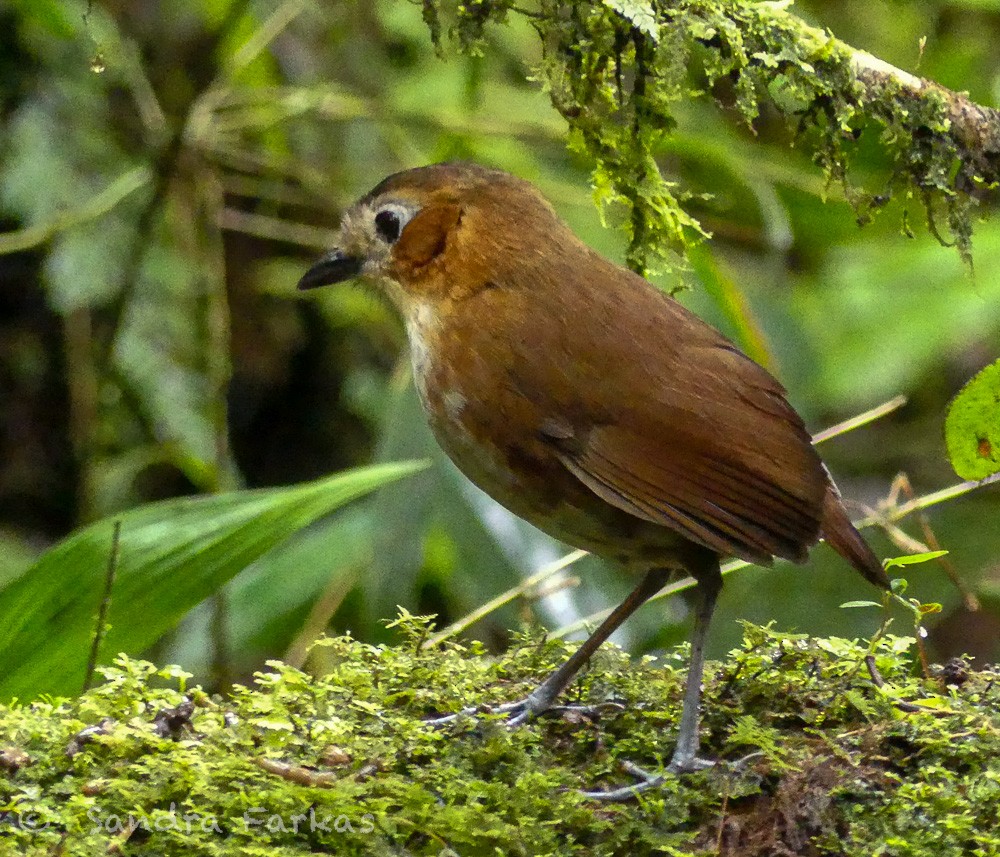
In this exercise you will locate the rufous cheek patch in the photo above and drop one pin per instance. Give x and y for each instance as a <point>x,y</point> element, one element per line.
<point>425,236</point>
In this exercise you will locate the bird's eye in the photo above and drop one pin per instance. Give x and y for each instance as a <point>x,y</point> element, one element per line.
<point>388,225</point>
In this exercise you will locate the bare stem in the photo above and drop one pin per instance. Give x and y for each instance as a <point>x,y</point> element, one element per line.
<point>102,613</point>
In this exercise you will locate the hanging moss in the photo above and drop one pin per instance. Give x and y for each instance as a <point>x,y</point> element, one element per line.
<point>345,764</point>
<point>615,71</point>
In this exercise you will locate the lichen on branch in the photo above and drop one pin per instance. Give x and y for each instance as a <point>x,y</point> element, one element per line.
<point>616,70</point>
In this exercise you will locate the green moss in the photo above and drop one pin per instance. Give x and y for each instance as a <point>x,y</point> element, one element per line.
<point>346,764</point>
<point>616,70</point>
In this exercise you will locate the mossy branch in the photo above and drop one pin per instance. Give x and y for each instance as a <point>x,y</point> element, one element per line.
<point>616,71</point>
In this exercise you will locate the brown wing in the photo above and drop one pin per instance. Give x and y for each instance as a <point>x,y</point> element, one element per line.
<point>722,504</point>
<point>671,423</point>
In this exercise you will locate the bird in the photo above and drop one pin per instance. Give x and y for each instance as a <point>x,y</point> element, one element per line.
<point>589,403</point>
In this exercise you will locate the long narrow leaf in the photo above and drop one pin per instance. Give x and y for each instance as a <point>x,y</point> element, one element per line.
<point>173,554</point>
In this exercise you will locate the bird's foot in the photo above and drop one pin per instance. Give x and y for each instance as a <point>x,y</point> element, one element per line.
<point>448,719</point>
<point>520,712</point>
<point>647,781</point>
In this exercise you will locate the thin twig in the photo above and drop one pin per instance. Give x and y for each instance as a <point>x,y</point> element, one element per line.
<point>276,229</point>
<point>93,208</point>
<point>878,519</point>
<point>265,34</point>
<point>933,499</point>
<point>523,587</point>
<point>105,606</point>
<point>901,485</point>
<point>860,420</point>
<point>319,617</point>
<point>901,704</point>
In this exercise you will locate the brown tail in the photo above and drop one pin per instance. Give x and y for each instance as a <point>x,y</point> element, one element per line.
<point>844,538</point>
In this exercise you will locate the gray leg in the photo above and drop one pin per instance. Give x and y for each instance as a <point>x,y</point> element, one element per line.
<point>543,696</point>
<point>685,758</point>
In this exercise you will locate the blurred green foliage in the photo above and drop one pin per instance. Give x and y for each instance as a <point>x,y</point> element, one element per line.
<point>168,170</point>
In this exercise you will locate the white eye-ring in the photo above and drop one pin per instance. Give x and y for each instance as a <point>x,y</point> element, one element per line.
<point>390,220</point>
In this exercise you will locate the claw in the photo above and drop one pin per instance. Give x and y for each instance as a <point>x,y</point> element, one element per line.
<point>520,712</point>
<point>689,766</point>
<point>646,782</point>
<point>523,710</point>
<point>649,781</point>
<point>448,719</point>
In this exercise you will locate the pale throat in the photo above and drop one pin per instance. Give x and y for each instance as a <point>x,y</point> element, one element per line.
<point>423,325</point>
<point>423,329</point>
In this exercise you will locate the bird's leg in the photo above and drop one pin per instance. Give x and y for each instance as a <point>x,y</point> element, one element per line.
<point>685,758</point>
<point>542,697</point>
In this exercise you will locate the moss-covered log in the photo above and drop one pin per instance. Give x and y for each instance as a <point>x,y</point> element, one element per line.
<point>345,764</point>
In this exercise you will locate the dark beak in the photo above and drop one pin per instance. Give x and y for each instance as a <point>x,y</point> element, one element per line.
<point>334,267</point>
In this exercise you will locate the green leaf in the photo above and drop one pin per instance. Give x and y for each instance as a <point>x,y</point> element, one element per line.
<point>972,427</point>
<point>173,555</point>
<point>638,13</point>
<point>912,559</point>
<point>269,603</point>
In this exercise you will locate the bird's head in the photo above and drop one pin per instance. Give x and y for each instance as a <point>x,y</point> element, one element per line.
<point>439,232</point>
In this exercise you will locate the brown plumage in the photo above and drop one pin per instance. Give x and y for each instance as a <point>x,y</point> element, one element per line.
<point>586,401</point>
